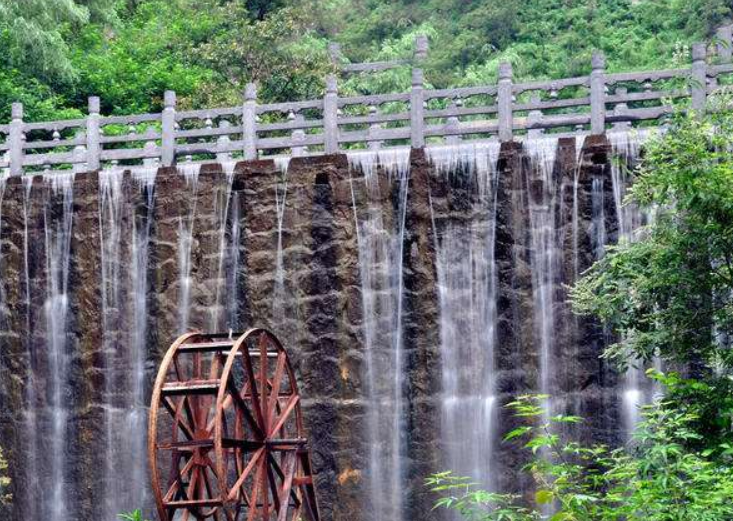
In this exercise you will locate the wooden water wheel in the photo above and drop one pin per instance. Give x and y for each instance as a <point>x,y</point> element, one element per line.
<point>226,439</point>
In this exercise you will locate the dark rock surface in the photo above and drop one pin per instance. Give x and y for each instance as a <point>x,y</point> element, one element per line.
<point>316,308</point>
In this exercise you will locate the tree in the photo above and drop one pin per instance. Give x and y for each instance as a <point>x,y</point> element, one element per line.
<point>34,31</point>
<point>656,478</point>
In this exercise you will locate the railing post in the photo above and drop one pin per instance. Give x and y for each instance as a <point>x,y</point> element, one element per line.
<point>699,77</point>
<point>417,110</point>
<point>168,141</point>
<point>15,139</point>
<point>334,52</point>
<point>421,48</point>
<point>504,102</point>
<point>93,135</point>
<point>725,40</point>
<point>597,94</point>
<point>330,116</point>
<point>249,122</point>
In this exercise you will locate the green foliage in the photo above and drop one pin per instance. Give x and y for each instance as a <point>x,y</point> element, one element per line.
<point>129,51</point>
<point>5,497</point>
<point>136,515</point>
<point>36,31</point>
<point>658,477</point>
<point>670,293</point>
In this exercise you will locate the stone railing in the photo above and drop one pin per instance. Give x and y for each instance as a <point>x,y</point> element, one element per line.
<point>586,104</point>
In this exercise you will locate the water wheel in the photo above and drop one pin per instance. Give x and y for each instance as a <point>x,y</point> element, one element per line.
<point>226,439</point>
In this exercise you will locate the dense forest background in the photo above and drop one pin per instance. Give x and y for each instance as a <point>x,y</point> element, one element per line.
<point>56,53</point>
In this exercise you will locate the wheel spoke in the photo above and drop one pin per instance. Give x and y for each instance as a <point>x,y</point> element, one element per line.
<point>247,470</point>
<point>276,382</point>
<point>292,402</point>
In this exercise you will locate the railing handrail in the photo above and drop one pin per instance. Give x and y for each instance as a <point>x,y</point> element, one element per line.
<point>329,124</point>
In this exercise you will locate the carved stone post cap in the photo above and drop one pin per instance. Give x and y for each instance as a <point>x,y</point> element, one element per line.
<point>505,71</point>
<point>699,51</point>
<point>334,51</point>
<point>725,32</point>
<point>169,99</point>
<point>331,84</point>
<point>417,77</point>
<point>250,92</point>
<point>94,105</point>
<point>16,111</point>
<point>421,46</point>
<point>598,60</point>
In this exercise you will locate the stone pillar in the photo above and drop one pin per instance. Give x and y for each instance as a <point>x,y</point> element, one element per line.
<point>249,122</point>
<point>417,110</point>
<point>598,94</point>
<point>699,78</point>
<point>504,102</point>
<point>16,139</point>
<point>330,116</point>
<point>168,140</point>
<point>93,135</point>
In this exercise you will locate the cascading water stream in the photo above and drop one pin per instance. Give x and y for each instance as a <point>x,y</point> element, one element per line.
<point>636,389</point>
<point>223,315</point>
<point>380,268</point>
<point>125,309</point>
<point>58,233</point>
<point>544,254</point>
<point>281,192</point>
<point>185,245</point>
<point>467,296</point>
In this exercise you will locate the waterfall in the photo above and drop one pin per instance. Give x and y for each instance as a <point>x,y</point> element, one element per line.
<point>467,298</point>
<point>125,314</point>
<point>544,254</point>
<point>58,234</point>
<point>636,389</point>
<point>228,257</point>
<point>190,172</point>
<point>31,409</point>
<point>279,293</point>
<point>110,229</point>
<point>380,266</point>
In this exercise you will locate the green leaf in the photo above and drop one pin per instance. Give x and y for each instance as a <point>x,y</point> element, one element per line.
<point>544,497</point>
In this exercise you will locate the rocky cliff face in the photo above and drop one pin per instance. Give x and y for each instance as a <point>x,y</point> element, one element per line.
<point>351,267</point>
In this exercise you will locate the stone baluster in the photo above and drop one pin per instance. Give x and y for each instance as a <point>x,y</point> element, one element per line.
<point>330,116</point>
<point>168,133</point>
<point>78,157</point>
<point>534,118</point>
<point>298,136</point>
<point>417,110</point>
<point>724,44</point>
<point>598,94</point>
<point>249,122</point>
<point>504,102</point>
<point>150,150</point>
<point>699,77</point>
<point>222,143</point>
<point>93,135</point>
<point>620,110</point>
<point>16,139</point>
<point>374,129</point>
<point>453,122</point>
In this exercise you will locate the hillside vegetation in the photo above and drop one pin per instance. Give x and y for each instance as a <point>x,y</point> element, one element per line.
<point>129,51</point>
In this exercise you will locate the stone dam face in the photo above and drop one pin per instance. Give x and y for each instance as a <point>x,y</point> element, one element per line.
<point>416,292</point>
